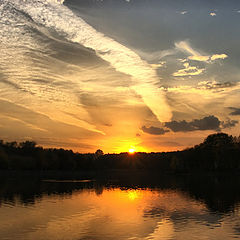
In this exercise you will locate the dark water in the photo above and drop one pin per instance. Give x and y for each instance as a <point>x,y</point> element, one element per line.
<point>126,206</point>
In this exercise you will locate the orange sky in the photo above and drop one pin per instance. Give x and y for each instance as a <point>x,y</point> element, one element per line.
<point>83,84</point>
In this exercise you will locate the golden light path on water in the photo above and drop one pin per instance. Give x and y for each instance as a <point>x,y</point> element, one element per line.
<point>114,214</point>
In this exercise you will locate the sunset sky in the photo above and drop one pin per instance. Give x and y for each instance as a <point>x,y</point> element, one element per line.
<point>149,75</point>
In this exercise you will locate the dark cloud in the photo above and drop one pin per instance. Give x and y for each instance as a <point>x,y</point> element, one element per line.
<point>170,144</point>
<point>215,85</point>
<point>154,130</point>
<point>107,124</point>
<point>229,124</point>
<point>236,111</point>
<point>206,123</point>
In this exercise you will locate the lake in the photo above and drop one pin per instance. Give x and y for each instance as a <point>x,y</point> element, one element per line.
<point>119,206</point>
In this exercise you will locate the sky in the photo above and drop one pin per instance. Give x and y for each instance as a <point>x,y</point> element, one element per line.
<point>152,75</point>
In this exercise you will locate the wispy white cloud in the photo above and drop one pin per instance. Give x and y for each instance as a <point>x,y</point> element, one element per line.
<point>218,56</point>
<point>184,46</point>
<point>157,55</point>
<point>184,12</point>
<point>188,71</point>
<point>199,58</point>
<point>158,65</point>
<point>214,85</point>
<point>213,14</point>
<point>121,58</point>
<point>197,55</point>
<point>206,88</point>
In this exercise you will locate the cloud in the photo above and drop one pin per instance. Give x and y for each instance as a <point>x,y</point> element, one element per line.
<point>203,88</point>
<point>20,123</point>
<point>229,123</point>
<point>184,46</point>
<point>157,55</point>
<point>213,14</point>
<point>158,65</point>
<point>120,57</point>
<point>196,55</point>
<point>212,58</point>
<point>154,130</point>
<point>236,111</point>
<point>203,124</point>
<point>188,71</point>
<point>199,58</point>
<point>214,85</point>
<point>10,83</point>
<point>170,144</point>
<point>218,56</point>
<point>206,123</point>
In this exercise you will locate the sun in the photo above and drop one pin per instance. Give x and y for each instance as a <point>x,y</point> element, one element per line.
<point>131,151</point>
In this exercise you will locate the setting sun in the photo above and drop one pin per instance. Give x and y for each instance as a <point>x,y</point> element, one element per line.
<point>131,150</point>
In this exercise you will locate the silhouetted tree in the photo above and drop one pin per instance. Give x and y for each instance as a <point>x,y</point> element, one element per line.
<point>99,152</point>
<point>218,140</point>
<point>28,144</point>
<point>218,152</point>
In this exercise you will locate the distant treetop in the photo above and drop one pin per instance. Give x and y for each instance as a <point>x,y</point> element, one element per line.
<point>99,152</point>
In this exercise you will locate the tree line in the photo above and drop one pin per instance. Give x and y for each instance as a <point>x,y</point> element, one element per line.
<point>218,152</point>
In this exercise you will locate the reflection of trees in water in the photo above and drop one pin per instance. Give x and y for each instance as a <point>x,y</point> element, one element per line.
<point>27,190</point>
<point>99,189</point>
<point>219,193</point>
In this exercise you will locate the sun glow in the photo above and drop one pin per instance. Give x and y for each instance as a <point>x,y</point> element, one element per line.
<point>134,195</point>
<point>131,150</point>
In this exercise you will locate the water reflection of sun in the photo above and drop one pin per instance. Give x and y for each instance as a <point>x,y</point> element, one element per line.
<point>133,195</point>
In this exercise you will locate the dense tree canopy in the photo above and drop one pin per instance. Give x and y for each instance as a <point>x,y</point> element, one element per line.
<point>218,152</point>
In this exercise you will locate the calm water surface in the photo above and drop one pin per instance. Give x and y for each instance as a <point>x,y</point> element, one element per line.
<point>164,208</point>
